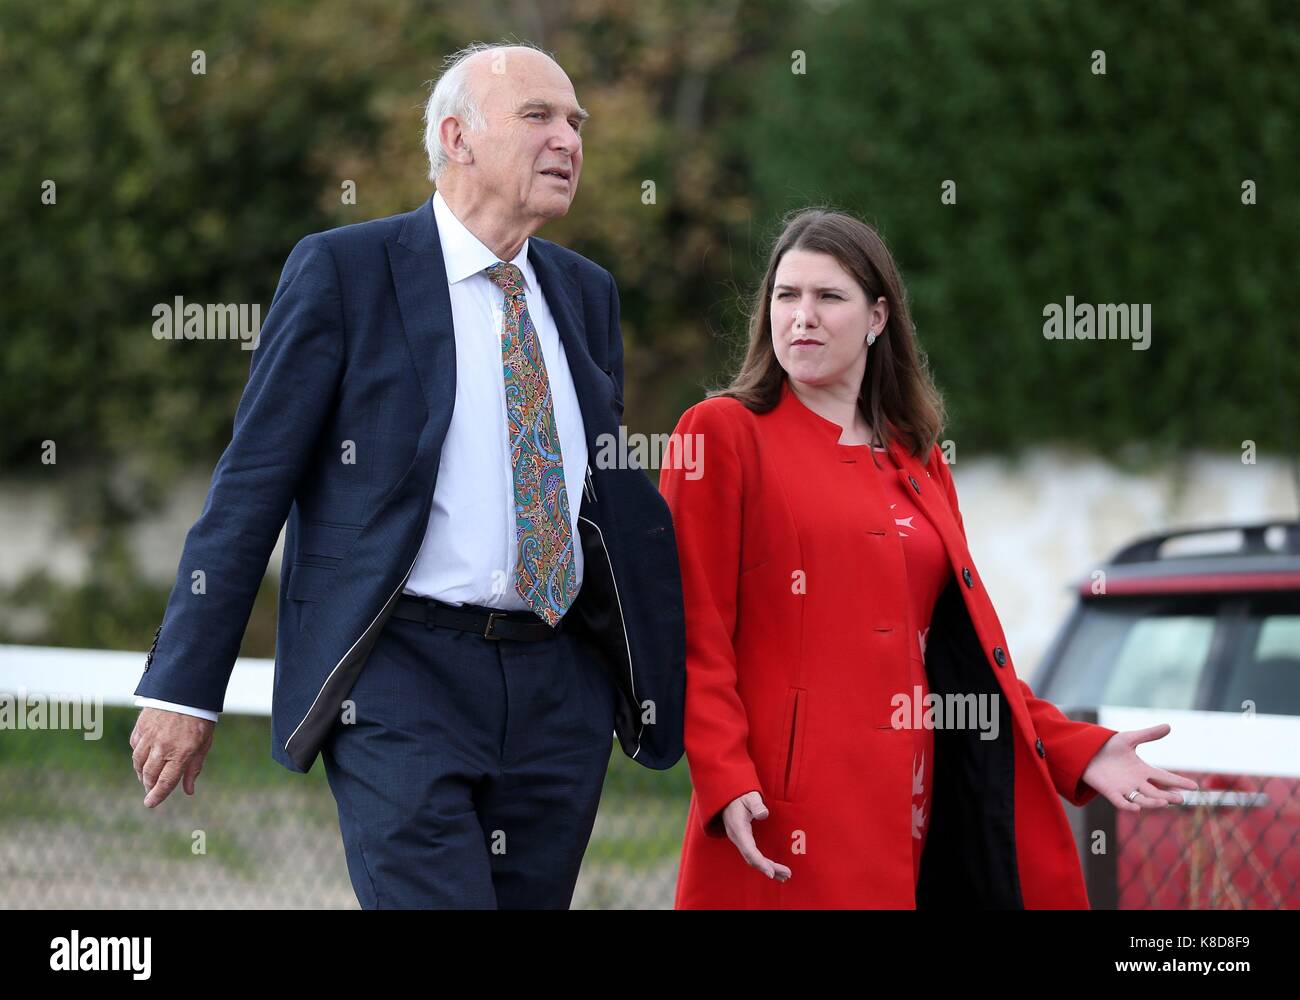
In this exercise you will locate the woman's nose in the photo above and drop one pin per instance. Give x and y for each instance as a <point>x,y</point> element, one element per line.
<point>805,317</point>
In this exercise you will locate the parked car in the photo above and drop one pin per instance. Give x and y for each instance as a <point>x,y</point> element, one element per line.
<point>1201,629</point>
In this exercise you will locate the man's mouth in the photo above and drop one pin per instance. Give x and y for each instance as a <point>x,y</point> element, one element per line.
<point>559,172</point>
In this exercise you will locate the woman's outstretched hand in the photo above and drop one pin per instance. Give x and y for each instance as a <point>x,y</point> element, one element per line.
<point>738,818</point>
<point>1117,770</point>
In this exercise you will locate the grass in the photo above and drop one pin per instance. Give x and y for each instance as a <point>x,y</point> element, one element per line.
<point>241,755</point>
<point>56,778</point>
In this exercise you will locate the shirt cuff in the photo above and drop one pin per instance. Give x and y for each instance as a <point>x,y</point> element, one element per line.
<point>202,713</point>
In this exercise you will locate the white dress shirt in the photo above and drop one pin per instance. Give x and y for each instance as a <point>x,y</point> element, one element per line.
<point>468,555</point>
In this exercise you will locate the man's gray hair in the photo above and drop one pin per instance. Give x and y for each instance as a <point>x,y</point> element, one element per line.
<point>452,96</point>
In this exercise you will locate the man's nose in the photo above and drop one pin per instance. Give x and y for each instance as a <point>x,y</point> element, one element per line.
<point>566,139</point>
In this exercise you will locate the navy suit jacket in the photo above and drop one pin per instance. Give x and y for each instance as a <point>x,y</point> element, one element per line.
<point>358,347</point>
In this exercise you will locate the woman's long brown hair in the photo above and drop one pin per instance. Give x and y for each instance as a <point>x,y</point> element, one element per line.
<point>896,386</point>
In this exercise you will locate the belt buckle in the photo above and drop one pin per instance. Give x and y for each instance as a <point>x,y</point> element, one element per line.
<point>492,617</point>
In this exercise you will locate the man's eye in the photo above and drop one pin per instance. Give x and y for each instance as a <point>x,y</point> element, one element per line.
<point>537,114</point>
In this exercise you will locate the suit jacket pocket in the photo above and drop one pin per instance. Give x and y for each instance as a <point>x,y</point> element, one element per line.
<point>309,578</point>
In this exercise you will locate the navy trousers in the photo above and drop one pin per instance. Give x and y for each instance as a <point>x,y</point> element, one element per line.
<point>471,774</point>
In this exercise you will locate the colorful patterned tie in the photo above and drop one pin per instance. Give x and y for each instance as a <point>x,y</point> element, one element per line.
<point>544,570</point>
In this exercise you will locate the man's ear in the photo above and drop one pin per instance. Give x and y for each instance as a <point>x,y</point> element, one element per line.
<point>453,141</point>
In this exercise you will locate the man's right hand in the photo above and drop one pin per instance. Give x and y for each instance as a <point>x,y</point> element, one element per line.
<point>166,747</point>
<point>738,818</point>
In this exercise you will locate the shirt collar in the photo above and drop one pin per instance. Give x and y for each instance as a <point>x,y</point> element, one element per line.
<point>464,255</point>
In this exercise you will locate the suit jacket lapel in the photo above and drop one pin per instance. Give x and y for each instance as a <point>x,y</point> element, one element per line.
<point>425,305</point>
<point>424,301</point>
<point>563,294</point>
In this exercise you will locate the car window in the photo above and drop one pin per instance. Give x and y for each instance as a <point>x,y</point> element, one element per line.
<point>1136,653</point>
<point>1263,673</point>
<point>1160,662</point>
<point>1279,635</point>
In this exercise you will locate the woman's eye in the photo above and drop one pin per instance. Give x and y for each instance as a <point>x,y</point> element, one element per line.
<point>783,295</point>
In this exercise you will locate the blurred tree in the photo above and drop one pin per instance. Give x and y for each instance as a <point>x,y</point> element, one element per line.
<point>1116,188</point>
<point>1122,187</point>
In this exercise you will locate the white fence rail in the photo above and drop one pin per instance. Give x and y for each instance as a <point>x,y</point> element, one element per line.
<point>1226,742</point>
<point>110,677</point>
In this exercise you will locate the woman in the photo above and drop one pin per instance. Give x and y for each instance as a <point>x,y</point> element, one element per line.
<point>828,592</point>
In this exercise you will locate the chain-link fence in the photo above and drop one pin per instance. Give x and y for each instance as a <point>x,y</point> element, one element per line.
<point>1233,844</point>
<point>74,832</point>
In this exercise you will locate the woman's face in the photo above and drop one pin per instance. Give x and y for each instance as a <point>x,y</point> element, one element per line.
<point>820,320</point>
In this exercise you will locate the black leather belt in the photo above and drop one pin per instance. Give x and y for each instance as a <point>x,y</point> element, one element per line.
<point>490,623</point>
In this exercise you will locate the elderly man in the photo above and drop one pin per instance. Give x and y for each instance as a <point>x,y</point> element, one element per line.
<point>467,608</point>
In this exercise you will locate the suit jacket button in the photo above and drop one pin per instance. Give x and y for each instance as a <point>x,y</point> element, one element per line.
<point>1038,745</point>
<point>999,656</point>
<point>148,657</point>
<point>915,485</point>
<point>965,575</point>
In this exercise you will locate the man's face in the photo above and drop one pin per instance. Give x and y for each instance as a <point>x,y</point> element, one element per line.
<point>529,157</point>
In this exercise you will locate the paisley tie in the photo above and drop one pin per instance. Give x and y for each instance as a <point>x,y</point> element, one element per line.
<point>544,570</point>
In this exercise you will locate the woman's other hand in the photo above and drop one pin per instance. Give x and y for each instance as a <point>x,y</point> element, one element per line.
<point>738,817</point>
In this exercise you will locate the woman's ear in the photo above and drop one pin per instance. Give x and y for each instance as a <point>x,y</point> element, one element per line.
<point>880,313</point>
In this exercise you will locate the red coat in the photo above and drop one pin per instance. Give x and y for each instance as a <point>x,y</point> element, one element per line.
<point>795,599</point>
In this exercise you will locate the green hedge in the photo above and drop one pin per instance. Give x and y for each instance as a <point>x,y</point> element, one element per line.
<point>1117,188</point>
